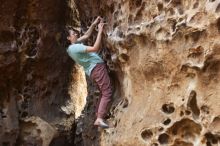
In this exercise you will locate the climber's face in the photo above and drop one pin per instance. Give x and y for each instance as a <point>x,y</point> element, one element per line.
<point>72,36</point>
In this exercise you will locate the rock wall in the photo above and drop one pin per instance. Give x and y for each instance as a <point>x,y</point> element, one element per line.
<point>165,56</point>
<point>37,76</point>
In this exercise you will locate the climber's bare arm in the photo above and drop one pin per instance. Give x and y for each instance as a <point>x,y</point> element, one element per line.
<point>89,31</point>
<point>97,43</point>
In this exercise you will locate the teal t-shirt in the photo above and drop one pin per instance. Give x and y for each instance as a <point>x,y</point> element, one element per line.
<point>86,59</point>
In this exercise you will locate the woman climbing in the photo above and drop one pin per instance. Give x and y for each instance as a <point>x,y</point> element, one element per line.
<point>93,65</point>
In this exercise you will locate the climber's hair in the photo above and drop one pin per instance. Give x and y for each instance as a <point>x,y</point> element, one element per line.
<point>66,33</point>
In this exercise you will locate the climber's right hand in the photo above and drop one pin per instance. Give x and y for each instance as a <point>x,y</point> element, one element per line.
<point>100,26</point>
<point>97,20</point>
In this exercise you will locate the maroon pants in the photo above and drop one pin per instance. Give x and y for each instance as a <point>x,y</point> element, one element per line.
<point>100,75</point>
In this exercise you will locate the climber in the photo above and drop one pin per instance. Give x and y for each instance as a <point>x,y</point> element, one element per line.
<point>93,65</point>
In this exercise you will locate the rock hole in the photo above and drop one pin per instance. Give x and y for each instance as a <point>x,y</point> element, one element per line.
<point>155,144</point>
<point>211,0</point>
<point>218,8</point>
<point>171,11</point>
<point>185,128</point>
<point>205,109</point>
<point>55,82</point>
<point>5,144</point>
<point>116,13</point>
<point>174,26</point>
<point>17,34</point>
<point>6,36</point>
<point>24,104</point>
<point>208,144</point>
<point>130,19</point>
<point>178,142</point>
<point>111,8</point>
<point>160,129</point>
<point>123,57</point>
<point>129,42</point>
<point>31,51</point>
<point>176,2</point>
<point>160,6</point>
<point>167,121</point>
<point>181,113</point>
<point>187,112</point>
<point>197,35</point>
<point>138,3</point>
<point>218,24</point>
<point>39,131</point>
<point>195,52</point>
<point>24,114</point>
<point>146,134</point>
<point>211,138</point>
<point>115,25</point>
<point>163,138</point>
<point>121,34</point>
<point>192,103</point>
<point>125,103</point>
<point>27,96</point>
<point>3,114</point>
<point>115,124</point>
<point>47,93</point>
<point>196,5</point>
<point>138,28</point>
<point>168,108</point>
<point>135,4</point>
<point>191,75</point>
<point>180,10</point>
<point>180,20</point>
<point>25,90</point>
<point>216,122</point>
<point>19,43</point>
<point>138,16</point>
<point>119,6</point>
